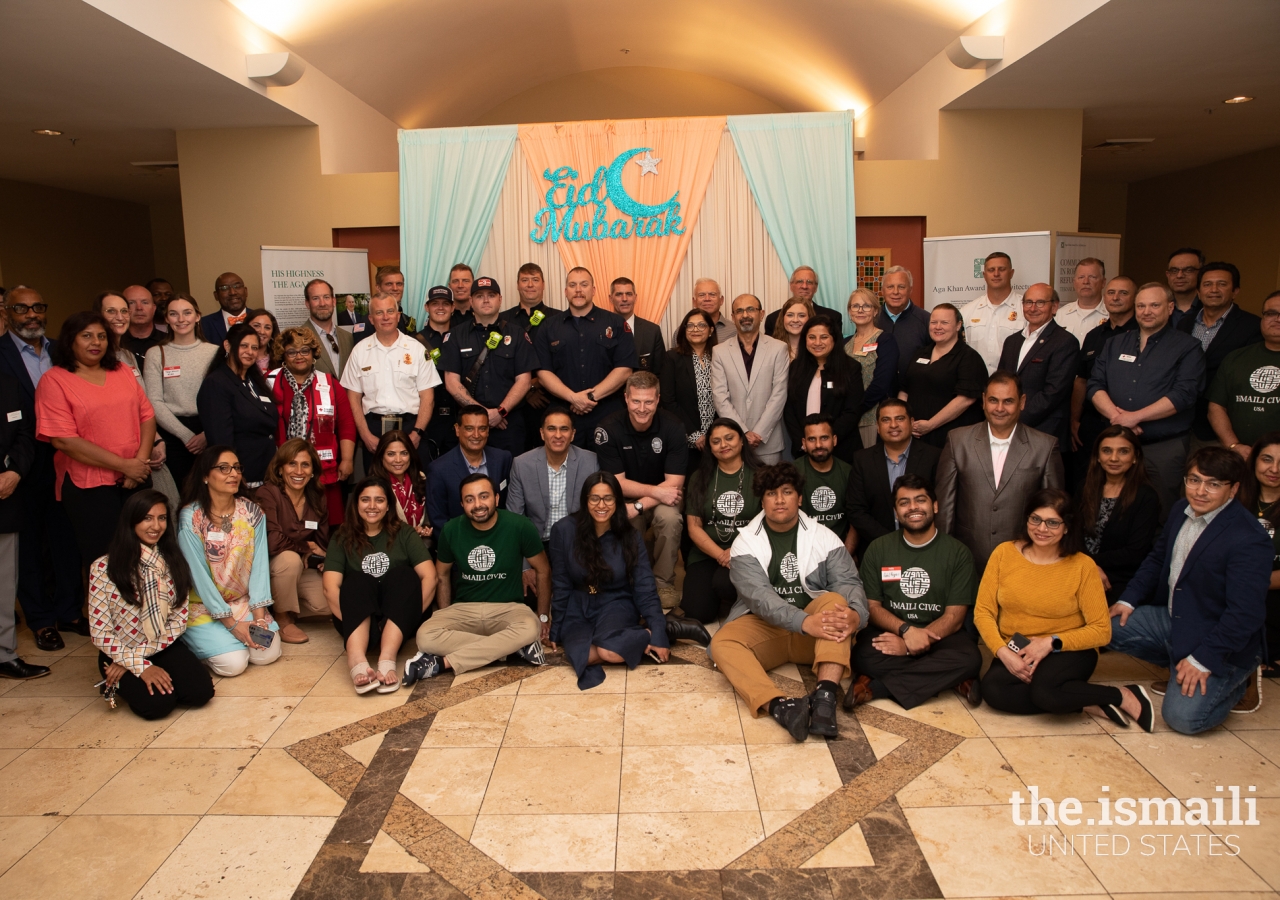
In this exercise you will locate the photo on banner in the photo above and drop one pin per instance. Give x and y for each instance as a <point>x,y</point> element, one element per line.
<point>286,271</point>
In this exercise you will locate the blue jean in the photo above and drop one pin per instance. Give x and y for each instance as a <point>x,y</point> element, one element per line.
<point>1147,636</point>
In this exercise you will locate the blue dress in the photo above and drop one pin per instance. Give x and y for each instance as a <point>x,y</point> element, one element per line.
<point>609,618</point>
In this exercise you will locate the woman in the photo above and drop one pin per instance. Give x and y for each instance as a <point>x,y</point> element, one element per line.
<point>823,380</point>
<point>396,460</point>
<point>138,611</point>
<point>223,536</point>
<point>314,407</point>
<point>379,581</point>
<point>1264,499</point>
<point>602,585</point>
<point>944,380</point>
<point>295,507</point>
<point>173,372</point>
<point>686,381</point>
<point>1042,613</point>
<point>792,317</point>
<point>877,354</point>
<point>720,500</point>
<point>236,406</point>
<point>264,322</point>
<point>102,426</point>
<point>1119,509</point>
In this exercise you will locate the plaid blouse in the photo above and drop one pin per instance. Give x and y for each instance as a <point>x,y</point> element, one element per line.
<point>115,627</point>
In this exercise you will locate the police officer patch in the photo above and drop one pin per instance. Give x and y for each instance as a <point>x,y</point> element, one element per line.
<point>602,436</point>
<point>656,444</point>
<point>915,583</point>
<point>822,499</point>
<point>608,332</point>
<point>506,341</point>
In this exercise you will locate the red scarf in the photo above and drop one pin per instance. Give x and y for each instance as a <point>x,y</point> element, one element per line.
<point>408,500</point>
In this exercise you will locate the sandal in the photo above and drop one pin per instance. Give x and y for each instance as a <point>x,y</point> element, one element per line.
<point>388,667</point>
<point>364,671</point>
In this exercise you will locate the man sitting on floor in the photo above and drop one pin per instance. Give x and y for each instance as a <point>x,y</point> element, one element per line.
<point>487,619</point>
<point>799,600</point>
<point>920,584</point>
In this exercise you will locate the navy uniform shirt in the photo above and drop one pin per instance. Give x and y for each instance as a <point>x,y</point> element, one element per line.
<point>647,456</point>
<point>1172,365</point>
<point>581,351</point>
<point>510,355</point>
<point>518,316</point>
<point>440,428</point>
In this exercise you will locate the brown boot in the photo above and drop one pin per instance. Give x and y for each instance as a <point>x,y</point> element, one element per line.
<point>1252,699</point>
<point>859,693</point>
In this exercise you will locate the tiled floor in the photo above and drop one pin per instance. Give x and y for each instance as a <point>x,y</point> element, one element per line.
<point>510,782</point>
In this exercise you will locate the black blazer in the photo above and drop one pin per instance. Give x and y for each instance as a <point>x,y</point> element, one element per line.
<point>37,484</point>
<point>1239,329</point>
<point>232,415</point>
<point>649,347</point>
<point>17,448</point>
<point>679,389</point>
<point>841,399</point>
<point>870,496</point>
<point>1127,539</point>
<point>1048,373</point>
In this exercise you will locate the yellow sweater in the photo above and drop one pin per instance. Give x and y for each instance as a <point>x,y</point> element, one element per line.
<point>1063,598</point>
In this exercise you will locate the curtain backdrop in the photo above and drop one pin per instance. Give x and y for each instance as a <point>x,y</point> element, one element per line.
<point>686,151</point>
<point>800,168</point>
<point>450,180</point>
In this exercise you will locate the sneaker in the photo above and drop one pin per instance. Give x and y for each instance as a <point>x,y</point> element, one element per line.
<point>1252,700</point>
<point>1147,717</point>
<point>792,713</point>
<point>533,654</point>
<point>422,666</point>
<point>822,713</point>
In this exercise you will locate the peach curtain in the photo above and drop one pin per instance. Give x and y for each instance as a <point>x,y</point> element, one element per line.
<point>686,149</point>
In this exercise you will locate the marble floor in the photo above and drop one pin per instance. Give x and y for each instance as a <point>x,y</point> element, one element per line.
<point>511,783</point>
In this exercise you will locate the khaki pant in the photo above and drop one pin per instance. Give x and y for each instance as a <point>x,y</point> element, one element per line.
<point>295,588</point>
<point>667,525</point>
<point>472,635</point>
<point>748,647</point>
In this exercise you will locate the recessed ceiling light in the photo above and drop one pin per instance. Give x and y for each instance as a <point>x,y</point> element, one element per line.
<point>1239,99</point>
<point>46,132</point>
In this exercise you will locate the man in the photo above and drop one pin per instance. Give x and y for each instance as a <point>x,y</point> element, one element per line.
<point>51,595</point>
<point>1221,327</point>
<point>389,380</point>
<point>386,280</point>
<point>992,318</point>
<point>799,600</point>
<point>440,433</point>
<point>749,380</point>
<point>920,585</point>
<point>1198,603</point>
<point>1148,380</point>
<point>825,478</point>
<point>645,447</point>
<point>232,297</point>
<point>804,285</point>
<point>546,482</point>
<point>488,363</point>
<point>900,317</point>
<point>470,457</point>
<point>1240,409</point>
<point>17,456</point>
<point>486,619</point>
<point>335,342</point>
<point>1087,422</point>
<point>872,508</point>
<point>460,278</point>
<point>1088,310</point>
<point>142,334</point>
<point>1044,356</point>
<point>987,471</point>
<point>585,353</point>
<point>528,314</point>
<point>648,336</point>
<point>161,292</point>
<point>1182,273</point>
<point>707,297</point>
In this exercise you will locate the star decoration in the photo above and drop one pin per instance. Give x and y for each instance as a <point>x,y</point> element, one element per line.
<point>648,164</point>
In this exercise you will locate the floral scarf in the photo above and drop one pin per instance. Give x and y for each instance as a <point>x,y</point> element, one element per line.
<point>300,408</point>
<point>402,487</point>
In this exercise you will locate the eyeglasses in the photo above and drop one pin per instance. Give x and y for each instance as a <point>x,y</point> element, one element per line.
<point>607,500</point>
<point>749,309</point>
<point>860,307</point>
<point>1185,270</point>
<point>804,281</point>
<point>1052,524</point>
<point>1038,304</point>
<point>1212,484</point>
<point>23,308</point>
<point>298,351</point>
<point>228,468</point>
<point>226,288</point>
<point>1271,314</point>
<point>701,326</point>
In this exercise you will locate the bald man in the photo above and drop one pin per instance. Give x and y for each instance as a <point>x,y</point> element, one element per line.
<point>707,297</point>
<point>232,296</point>
<point>142,334</point>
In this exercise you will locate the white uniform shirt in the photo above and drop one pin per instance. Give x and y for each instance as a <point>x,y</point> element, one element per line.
<point>986,325</point>
<point>389,377</point>
<point>1081,321</point>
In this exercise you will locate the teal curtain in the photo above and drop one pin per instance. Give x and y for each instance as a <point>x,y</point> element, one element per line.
<point>800,168</point>
<point>450,181</point>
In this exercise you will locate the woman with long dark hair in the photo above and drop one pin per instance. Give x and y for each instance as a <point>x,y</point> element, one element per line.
<point>264,322</point>
<point>1119,510</point>
<point>822,379</point>
<point>686,381</point>
<point>138,611</point>
<point>1261,495</point>
<point>720,500</point>
<point>236,404</point>
<point>396,460</point>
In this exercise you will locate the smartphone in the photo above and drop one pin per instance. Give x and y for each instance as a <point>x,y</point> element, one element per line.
<point>315,561</point>
<point>1018,642</point>
<point>653,655</point>
<point>261,636</point>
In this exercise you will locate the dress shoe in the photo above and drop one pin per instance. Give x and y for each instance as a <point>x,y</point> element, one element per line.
<point>822,713</point>
<point>859,693</point>
<point>1158,687</point>
<point>970,689</point>
<point>16,668</point>
<point>80,626</point>
<point>48,639</point>
<point>1147,711</point>
<point>1252,699</point>
<point>290,633</point>
<point>681,629</point>
<point>792,713</point>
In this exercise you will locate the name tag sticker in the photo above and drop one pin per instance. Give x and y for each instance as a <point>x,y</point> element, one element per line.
<point>14,416</point>
<point>924,360</point>
<point>890,573</point>
<point>831,386</point>
<point>216,536</point>
<point>172,371</point>
<point>1128,357</point>
<point>325,455</point>
<point>265,399</point>
<point>867,348</point>
<point>310,525</point>
<point>324,409</point>
<point>503,486</point>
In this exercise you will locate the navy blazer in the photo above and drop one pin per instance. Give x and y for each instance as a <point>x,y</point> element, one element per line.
<point>17,449</point>
<point>444,478</point>
<point>1048,374</point>
<point>41,471</point>
<point>214,327</point>
<point>1220,606</point>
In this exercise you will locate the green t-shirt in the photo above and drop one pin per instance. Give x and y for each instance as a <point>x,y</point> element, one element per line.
<point>379,556</point>
<point>489,562</point>
<point>784,567</point>
<point>1246,386</point>
<point>729,504</point>
<point>824,494</point>
<point>917,584</point>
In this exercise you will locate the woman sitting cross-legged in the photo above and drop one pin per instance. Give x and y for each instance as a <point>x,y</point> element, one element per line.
<point>138,610</point>
<point>602,586</point>
<point>379,580</point>
<point>223,535</point>
<point>1042,611</point>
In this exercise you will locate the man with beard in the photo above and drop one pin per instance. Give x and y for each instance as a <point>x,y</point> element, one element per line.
<point>826,478</point>
<point>486,618</point>
<point>920,584</point>
<point>472,456</point>
<point>335,342</point>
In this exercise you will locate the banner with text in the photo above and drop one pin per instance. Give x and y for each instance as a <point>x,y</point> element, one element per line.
<point>953,265</point>
<point>1069,247</point>
<point>286,271</point>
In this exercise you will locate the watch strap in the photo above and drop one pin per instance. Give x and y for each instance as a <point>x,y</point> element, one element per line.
<point>903,630</point>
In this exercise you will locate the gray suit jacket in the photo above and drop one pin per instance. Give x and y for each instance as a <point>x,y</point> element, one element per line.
<point>755,403</point>
<point>345,343</point>
<point>529,491</point>
<point>970,506</point>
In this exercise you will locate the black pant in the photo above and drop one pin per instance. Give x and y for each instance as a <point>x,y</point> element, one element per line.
<point>395,597</point>
<point>49,584</point>
<point>192,685</point>
<point>708,592</point>
<point>177,457</point>
<point>1060,685</point>
<point>510,438</point>
<point>911,680</point>
<point>94,513</point>
<point>1273,623</point>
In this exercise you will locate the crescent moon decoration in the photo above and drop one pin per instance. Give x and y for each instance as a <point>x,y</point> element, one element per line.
<point>618,196</point>
<point>556,220</point>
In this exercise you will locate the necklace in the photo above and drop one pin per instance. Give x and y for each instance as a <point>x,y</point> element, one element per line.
<point>726,533</point>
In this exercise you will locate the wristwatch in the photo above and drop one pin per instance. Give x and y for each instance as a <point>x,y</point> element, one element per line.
<point>591,395</point>
<point>639,505</point>
<point>1057,643</point>
<point>502,411</point>
<point>418,431</point>
<point>902,632</point>
<point>544,618</point>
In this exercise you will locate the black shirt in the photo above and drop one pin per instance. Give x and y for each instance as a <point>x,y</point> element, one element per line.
<point>582,350</point>
<point>139,346</point>
<point>910,331</point>
<point>510,356</point>
<point>748,356</point>
<point>1095,340</point>
<point>1170,366</point>
<point>644,456</point>
<point>930,386</point>
<point>517,315</point>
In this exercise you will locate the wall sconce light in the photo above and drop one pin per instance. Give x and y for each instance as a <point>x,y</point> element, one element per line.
<point>274,69</point>
<point>976,51</point>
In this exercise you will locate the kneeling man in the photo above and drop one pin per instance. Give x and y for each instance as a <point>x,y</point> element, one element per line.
<point>920,584</point>
<point>799,600</point>
<point>487,619</point>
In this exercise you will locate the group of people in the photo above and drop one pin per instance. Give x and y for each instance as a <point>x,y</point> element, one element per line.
<point>877,501</point>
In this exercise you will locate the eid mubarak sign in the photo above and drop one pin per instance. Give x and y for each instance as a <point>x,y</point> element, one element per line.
<point>584,212</point>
